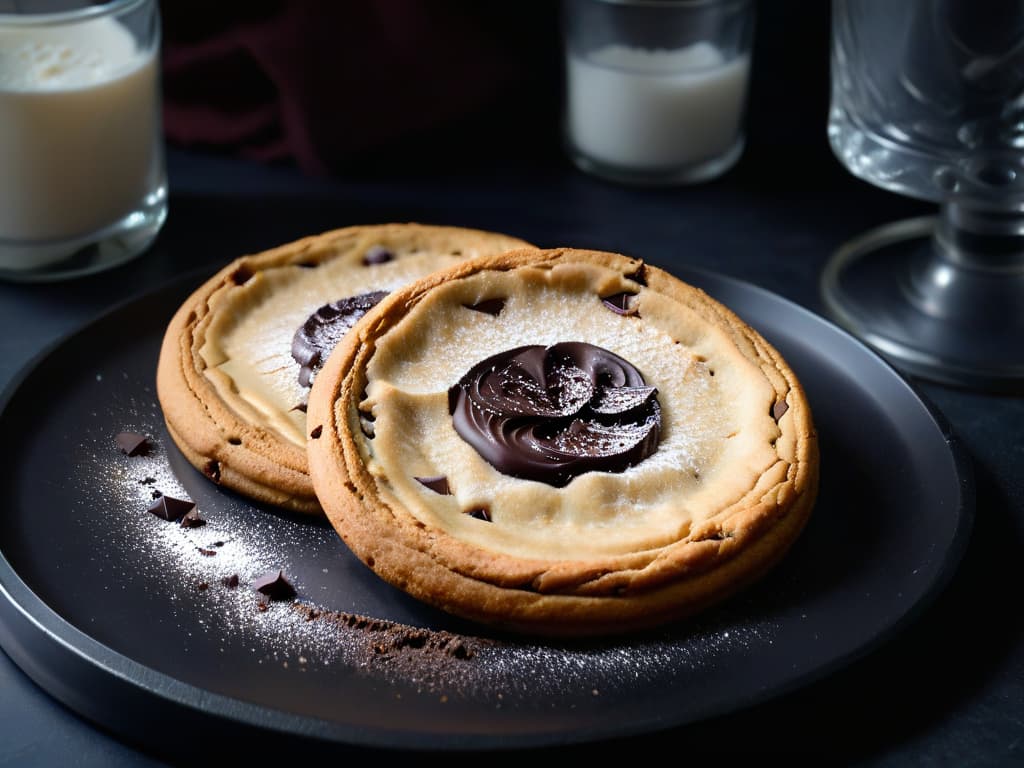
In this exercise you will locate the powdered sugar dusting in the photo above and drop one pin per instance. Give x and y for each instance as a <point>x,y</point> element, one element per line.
<point>319,635</point>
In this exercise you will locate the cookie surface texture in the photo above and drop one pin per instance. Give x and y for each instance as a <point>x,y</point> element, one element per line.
<point>562,442</point>
<point>235,366</point>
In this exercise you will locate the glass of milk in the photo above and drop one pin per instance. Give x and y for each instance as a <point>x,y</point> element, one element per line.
<point>655,90</point>
<point>82,181</point>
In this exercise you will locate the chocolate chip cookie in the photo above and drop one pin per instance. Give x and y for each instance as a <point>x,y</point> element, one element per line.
<point>240,354</point>
<point>562,442</point>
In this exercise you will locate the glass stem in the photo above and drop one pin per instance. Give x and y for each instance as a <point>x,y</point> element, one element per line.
<point>976,238</point>
<point>972,268</point>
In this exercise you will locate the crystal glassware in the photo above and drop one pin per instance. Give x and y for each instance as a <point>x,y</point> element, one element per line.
<point>927,101</point>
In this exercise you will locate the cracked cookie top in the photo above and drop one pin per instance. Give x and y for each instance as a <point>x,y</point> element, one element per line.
<point>562,441</point>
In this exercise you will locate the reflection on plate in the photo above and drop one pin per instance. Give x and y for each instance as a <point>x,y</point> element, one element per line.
<point>100,593</point>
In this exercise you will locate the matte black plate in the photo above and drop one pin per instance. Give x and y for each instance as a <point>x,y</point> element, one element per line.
<point>125,618</point>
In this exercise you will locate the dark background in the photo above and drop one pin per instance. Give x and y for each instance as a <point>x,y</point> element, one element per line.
<point>361,88</point>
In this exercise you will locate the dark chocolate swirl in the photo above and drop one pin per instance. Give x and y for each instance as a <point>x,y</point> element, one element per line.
<point>552,413</point>
<point>313,343</point>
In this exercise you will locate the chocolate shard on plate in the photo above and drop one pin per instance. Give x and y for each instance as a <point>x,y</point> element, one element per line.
<point>192,519</point>
<point>230,581</point>
<point>133,444</point>
<point>170,508</point>
<point>274,585</point>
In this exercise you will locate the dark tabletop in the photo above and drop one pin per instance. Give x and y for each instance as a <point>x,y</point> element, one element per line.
<point>947,690</point>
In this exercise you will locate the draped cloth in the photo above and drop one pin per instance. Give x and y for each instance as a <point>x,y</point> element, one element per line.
<point>322,83</point>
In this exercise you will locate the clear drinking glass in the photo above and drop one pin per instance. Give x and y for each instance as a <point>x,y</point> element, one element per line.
<point>655,90</point>
<point>82,181</point>
<point>928,101</point>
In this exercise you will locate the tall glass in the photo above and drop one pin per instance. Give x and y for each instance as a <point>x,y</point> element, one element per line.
<point>82,182</point>
<point>928,101</point>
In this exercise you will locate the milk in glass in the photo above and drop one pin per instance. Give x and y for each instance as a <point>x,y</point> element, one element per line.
<point>650,109</point>
<point>79,128</point>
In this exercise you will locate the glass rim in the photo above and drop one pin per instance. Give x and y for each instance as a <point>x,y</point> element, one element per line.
<point>86,12</point>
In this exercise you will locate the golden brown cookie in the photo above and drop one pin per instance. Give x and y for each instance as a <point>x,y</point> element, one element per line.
<point>562,442</point>
<point>239,355</point>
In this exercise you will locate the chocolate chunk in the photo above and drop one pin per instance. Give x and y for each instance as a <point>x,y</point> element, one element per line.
<point>480,514</point>
<point>779,408</point>
<point>242,275</point>
<point>212,470</point>
<point>170,508</point>
<point>552,413</point>
<point>192,519</point>
<point>147,481</point>
<point>206,552</point>
<point>640,275</point>
<point>230,581</point>
<point>313,343</point>
<point>202,586</point>
<point>438,484</point>
<point>620,303</point>
<point>378,254</point>
<point>487,306</point>
<point>274,585</point>
<point>133,444</point>
<point>301,407</point>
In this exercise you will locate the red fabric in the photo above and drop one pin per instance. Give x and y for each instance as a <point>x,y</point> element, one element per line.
<point>319,82</point>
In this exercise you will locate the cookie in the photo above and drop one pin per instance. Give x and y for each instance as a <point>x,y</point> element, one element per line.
<point>239,355</point>
<point>562,442</point>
